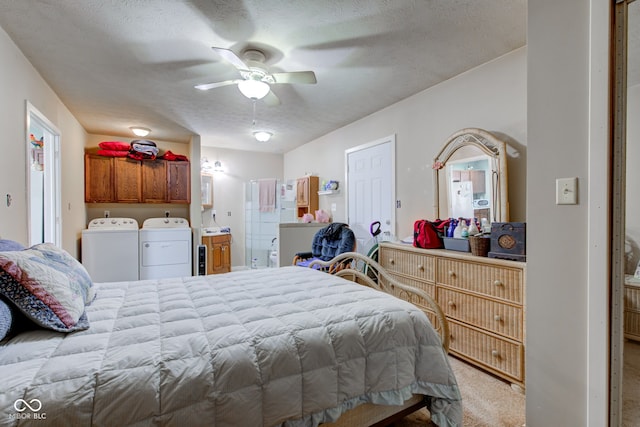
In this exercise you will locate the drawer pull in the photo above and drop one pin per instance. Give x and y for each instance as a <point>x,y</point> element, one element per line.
<point>495,353</point>
<point>392,261</point>
<point>497,318</point>
<point>452,273</point>
<point>498,283</point>
<point>420,267</point>
<point>451,304</point>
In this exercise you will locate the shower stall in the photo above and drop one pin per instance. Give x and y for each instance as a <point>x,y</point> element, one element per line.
<point>268,202</point>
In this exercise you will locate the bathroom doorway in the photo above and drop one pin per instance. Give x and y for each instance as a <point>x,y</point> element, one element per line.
<point>42,142</point>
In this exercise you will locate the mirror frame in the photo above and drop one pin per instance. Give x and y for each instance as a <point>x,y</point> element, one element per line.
<point>488,144</point>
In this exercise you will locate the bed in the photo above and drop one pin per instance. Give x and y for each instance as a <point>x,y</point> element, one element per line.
<point>290,346</point>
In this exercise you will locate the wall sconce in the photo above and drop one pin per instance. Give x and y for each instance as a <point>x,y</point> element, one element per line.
<point>138,131</point>
<point>262,136</point>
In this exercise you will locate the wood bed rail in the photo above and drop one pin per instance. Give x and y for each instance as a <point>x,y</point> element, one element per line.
<point>365,271</point>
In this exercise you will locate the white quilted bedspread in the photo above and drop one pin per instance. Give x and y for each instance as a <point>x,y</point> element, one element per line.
<point>289,346</point>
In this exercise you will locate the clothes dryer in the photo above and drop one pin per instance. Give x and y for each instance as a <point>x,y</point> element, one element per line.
<point>110,249</point>
<point>165,248</point>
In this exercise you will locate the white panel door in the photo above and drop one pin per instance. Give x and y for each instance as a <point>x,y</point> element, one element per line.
<point>371,188</point>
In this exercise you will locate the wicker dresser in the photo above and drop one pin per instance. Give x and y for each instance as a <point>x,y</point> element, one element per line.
<point>632,309</point>
<point>483,299</point>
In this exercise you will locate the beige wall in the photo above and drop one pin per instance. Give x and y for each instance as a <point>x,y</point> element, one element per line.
<point>20,83</point>
<point>229,189</point>
<point>567,245</point>
<point>491,96</point>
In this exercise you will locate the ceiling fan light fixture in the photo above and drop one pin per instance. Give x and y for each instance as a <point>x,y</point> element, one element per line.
<point>254,89</point>
<point>138,131</point>
<point>262,135</point>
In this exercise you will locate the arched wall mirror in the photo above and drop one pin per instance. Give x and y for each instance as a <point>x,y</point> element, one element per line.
<point>470,177</point>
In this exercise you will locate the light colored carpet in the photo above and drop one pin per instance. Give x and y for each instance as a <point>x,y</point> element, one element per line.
<point>486,400</point>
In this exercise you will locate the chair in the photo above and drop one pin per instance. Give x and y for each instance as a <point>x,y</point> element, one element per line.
<point>328,242</point>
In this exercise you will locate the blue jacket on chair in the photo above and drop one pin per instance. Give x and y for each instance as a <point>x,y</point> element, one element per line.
<point>332,240</point>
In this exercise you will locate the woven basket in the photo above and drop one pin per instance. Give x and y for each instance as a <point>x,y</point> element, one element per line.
<point>480,245</point>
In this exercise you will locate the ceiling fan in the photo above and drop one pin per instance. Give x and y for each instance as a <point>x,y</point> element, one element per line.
<point>256,80</point>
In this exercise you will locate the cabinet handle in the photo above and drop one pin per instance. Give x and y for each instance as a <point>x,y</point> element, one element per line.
<point>498,283</point>
<point>495,353</point>
<point>497,318</point>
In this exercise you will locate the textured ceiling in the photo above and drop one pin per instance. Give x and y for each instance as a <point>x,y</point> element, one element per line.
<point>119,63</point>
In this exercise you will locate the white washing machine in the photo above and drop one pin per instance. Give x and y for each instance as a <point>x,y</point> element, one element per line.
<point>110,249</point>
<point>165,248</point>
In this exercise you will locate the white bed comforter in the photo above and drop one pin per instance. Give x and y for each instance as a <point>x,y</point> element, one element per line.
<point>289,346</point>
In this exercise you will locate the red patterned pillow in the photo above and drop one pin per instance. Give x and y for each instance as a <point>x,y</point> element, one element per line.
<point>114,145</point>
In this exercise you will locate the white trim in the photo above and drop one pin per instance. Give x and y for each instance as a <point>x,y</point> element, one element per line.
<point>389,139</point>
<point>598,217</point>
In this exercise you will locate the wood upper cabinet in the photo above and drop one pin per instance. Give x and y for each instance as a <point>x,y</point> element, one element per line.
<point>127,180</point>
<point>122,180</point>
<point>154,182</point>
<point>98,179</point>
<point>307,195</point>
<point>179,182</point>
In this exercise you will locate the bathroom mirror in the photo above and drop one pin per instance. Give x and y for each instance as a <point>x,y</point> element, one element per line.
<point>206,188</point>
<point>470,177</point>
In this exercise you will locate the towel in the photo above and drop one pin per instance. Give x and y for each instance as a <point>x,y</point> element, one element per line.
<point>267,195</point>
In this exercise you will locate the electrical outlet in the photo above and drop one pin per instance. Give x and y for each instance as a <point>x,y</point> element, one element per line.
<point>229,213</point>
<point>107,214</point>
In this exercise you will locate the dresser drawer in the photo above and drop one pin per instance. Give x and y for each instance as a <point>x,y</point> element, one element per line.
<point>419,266</point>
<point>632,298</point>
<point>497,282</point>
<point>503,319</point>
<point>427,287</point>
<point>494,353</point>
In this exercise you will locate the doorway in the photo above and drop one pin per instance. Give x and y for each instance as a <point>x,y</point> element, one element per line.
<point>42,144</point>
<point>371,188</point>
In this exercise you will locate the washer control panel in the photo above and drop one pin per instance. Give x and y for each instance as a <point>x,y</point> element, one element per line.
<point>113,223</point>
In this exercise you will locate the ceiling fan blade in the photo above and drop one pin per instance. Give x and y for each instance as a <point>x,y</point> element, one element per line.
<point>308,77</point>
<point>208,86</point>
<point>271,99</point>
<point>231,57</point>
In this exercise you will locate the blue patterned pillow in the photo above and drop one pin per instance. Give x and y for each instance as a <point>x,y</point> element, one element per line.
<point>6,319</point>
<point>48,285</point>
<point>10,245</point>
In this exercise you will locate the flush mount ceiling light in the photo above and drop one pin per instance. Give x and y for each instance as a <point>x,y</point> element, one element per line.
<point>140,131</point>
<point>262,136</point>
<point>254,89</point>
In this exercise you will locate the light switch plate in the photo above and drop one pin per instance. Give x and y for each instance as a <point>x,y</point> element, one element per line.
<point>567,191</point>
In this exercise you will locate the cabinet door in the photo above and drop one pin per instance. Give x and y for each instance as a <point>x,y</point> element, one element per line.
<point>478,182</point>
<point>128,181</point>
<point>218,254</point>
<point>154,181</point>
<point>179,182</point>
<point>98,179</point>
<point>302,193</point>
